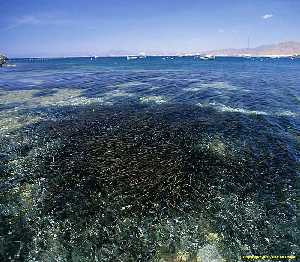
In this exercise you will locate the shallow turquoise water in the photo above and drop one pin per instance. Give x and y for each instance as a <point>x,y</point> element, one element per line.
<point>113,160</point>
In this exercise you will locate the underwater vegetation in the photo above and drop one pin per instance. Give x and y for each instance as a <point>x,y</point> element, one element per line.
<point>148,183</point>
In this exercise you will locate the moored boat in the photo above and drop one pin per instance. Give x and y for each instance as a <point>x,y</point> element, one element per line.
<point>206,57</point>
<point>3,60</point>
<point>129,57</point>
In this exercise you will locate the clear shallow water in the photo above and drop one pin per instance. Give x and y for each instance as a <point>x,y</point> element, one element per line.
<point>149,159</point>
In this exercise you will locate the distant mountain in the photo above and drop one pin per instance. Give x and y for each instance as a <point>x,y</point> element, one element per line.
<point>281,49</point>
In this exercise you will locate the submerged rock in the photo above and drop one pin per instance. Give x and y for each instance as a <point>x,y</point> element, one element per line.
<point>3,60</point>
<point>209,253</point>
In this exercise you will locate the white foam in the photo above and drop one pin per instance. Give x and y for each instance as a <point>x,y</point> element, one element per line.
<point>192,89</point>
<point>219,85</point>
<point>224,108</point>
<point>129,84</point>
<point>116,93</point>
<point>287,113</point>
<point>82,101</point>
<point>153,99</point>
<point>196,87</point>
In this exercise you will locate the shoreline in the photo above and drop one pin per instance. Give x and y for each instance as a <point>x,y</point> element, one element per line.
<point>297,56</point>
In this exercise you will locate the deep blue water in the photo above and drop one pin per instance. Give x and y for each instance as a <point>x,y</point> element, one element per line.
<point>268,85</point>
<point>214,147</point>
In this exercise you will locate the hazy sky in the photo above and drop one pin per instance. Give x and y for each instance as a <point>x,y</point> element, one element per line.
<point>100,27</point>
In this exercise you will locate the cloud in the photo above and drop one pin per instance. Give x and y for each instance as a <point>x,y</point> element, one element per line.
<point>23,20</point>
<point>32,20</point>
<point>267,16</point>
<point>221,30</point>
<point>28,19</point>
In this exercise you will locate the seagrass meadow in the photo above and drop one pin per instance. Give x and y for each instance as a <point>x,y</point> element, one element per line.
<point>132,161</point>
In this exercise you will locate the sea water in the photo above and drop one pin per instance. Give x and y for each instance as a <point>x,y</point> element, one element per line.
<point>151,159</point>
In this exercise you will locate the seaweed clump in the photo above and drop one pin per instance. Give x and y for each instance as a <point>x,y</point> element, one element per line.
<point>131,183</point>
<point>142,161</point>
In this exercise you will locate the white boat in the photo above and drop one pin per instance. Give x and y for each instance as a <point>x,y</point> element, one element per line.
<point>295,57</point>
<point>130,57</point>
<point>247,56</point>
<point>206,57</point>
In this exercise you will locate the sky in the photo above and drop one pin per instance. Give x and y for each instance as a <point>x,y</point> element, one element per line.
<point>52,28</point>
